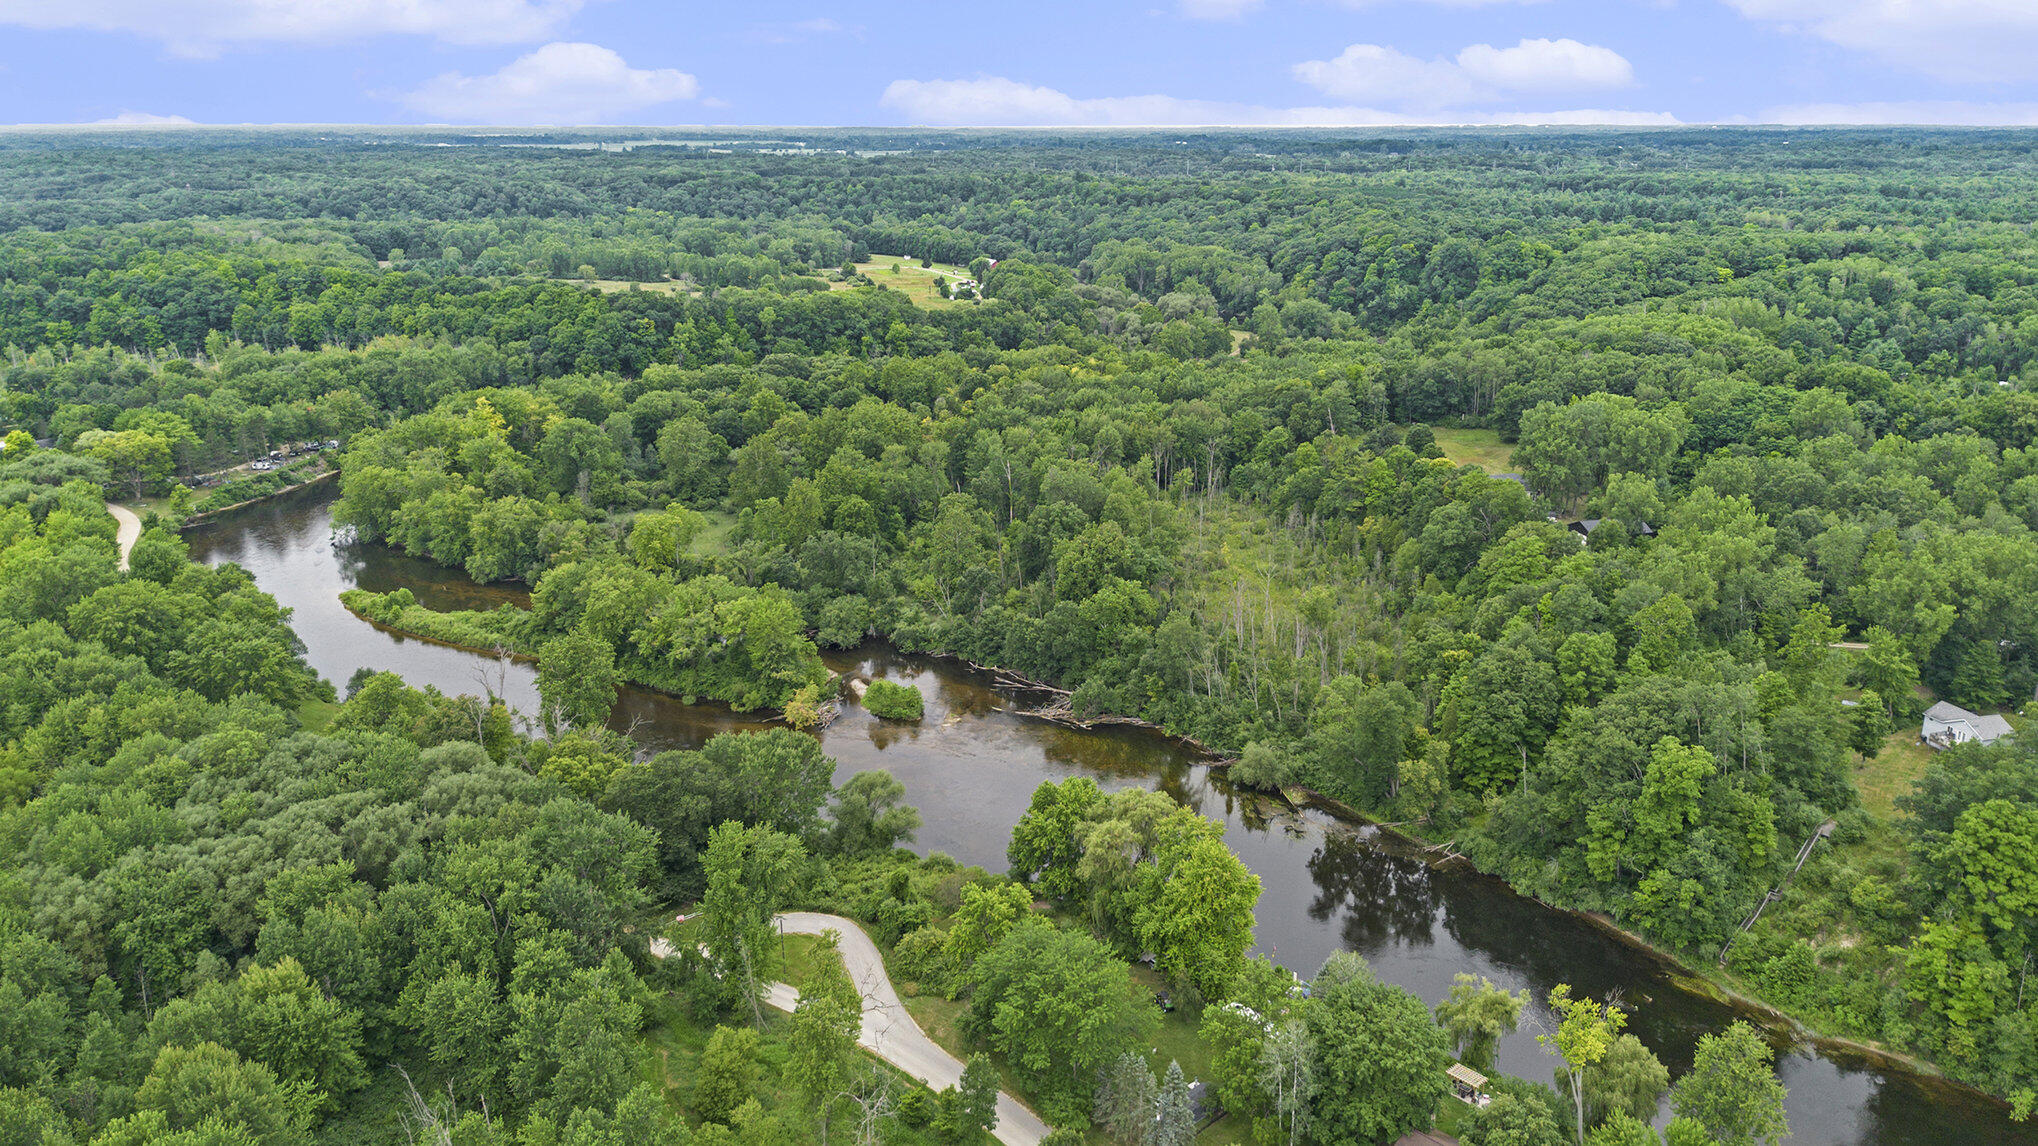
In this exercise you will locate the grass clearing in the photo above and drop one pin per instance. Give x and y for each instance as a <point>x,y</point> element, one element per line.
<point>143,506</point>
<point>916,281</point>
<point>803,955</point>
<point>317,715</point>
<point>666,287</point>
<point>1893,772</point>
<point>713,539</point>
<point>1482,448</point>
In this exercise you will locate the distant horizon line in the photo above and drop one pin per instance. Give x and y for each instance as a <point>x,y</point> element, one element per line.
<point>94,126</point>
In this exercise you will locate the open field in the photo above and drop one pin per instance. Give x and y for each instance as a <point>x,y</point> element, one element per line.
<point>916,281</point>
<point>667,287</point>
<point>1893,771</point>
<point>1482,448</point>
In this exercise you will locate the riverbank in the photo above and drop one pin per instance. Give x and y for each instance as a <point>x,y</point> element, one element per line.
<point>973,764</point>
<point>1785,1027</point>
<point>213,514</point>
<point>495,634</point>
<point>485,633</point>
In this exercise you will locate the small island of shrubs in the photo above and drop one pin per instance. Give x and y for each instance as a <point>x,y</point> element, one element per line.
<point>893,701</point>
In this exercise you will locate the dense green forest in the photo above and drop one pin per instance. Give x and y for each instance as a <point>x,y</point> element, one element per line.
<point>1189,457</point>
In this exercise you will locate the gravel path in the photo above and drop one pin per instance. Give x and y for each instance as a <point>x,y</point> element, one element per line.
<point>889,1030</point>
<point>130,531</point>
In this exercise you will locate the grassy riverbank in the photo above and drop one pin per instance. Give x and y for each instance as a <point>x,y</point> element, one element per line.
<point>253,487</point>
<point>507,628</point>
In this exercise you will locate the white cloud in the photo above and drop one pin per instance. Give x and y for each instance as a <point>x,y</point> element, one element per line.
<point>1933,112</point>
<point>204,27</point>
<point>1440,3</point>
<point>1964,41</point>
<point>127,118</point>
<point>994,101</point>
<point>1547,65</point>
<point>1216,9</point>
<point>1374,72</point>
<point>1480,74</point>
<point>558,83</point>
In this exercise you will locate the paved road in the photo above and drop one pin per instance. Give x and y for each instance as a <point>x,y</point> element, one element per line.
<point>130,531</point>
<point>888,1029</point>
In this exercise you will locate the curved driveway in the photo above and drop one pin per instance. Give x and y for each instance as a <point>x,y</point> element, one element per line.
<point>130,531</point>
<point>889,1031</point>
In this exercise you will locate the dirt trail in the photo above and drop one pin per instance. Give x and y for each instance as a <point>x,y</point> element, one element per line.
<point>130,531</point>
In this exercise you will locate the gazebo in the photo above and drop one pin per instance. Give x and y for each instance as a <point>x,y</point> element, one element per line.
<point>1468,1085</point>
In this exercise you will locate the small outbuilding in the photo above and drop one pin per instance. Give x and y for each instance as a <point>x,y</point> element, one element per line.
<point>1585,527</point>
<point>1947,724</point>
<point>1468,1085</point>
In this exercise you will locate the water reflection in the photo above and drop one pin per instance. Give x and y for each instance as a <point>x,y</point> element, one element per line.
<point>971,766</point>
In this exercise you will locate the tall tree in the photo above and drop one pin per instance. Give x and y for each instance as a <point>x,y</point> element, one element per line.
<point>1380,1059</point>
<point>1174,1122</point>
<point>1584,1036</point>
<point>1288,1073</point>
<point>1126,1094</point>
<point>752,873</point>
<point>822,1034</point>
<point>1732,1091</point>
<point>1477,1015</point>
<point>1058,1006</point>
<point>576,681</point>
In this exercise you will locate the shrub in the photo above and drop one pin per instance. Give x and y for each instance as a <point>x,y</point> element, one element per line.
<point>893,701</point>
<point>922,956</point>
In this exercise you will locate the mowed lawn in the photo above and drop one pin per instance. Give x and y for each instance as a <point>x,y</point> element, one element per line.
<point>1482,448</point>
<point>916,281</point>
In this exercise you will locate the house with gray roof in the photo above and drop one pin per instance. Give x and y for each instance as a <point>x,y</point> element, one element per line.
<point>1947,724</point>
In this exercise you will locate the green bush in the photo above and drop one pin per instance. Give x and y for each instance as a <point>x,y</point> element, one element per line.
<point>893,701</point>
<point>921,956</point>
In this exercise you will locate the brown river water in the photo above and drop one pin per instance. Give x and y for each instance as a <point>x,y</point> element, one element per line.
<point>971,767</point>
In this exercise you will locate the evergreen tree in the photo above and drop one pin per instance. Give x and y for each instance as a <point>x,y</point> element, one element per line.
<point>1174,1122</point>
<point>1126,1098</point>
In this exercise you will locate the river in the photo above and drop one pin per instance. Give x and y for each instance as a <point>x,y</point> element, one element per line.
<point>971,766</point>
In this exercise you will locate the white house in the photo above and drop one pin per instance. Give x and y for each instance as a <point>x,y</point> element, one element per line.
<point>1947,724</point>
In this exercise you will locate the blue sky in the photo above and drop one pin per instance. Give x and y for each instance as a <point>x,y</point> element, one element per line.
<point>1043,62</point>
